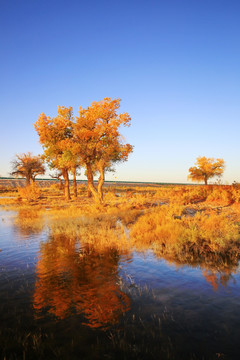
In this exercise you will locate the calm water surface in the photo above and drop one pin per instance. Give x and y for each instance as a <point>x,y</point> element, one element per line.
<point>59,300</point>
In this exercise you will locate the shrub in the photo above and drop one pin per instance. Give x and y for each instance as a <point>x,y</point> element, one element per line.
<point>82,188</point>
<point>236,194</point>
<point>183,194</point>
<point>56,186</point>
<point>221,195</point>
<point>30,192</point>
<point>215,232</point>
<point>179,235</point>
<point>162,225</point>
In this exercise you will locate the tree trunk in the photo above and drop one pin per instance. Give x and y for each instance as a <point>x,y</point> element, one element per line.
<point>61,183</point>
<point>89,192</point>
<point>27,180</point>
<point>205,180</point>
<point>101,182</point>
<point>91,186</point>
<point>74,183</point>
<point>66,184</point>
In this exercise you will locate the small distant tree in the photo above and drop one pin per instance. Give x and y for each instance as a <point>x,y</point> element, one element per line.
<point>28,166</point>
<point>57,175</point>
<point>206,168</point>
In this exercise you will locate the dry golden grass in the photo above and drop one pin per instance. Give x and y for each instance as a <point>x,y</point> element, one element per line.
<point>101,233</point>
<point>174,235</point>
<point>29,221</point>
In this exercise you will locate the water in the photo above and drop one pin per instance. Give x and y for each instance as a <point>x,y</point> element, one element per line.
<point>60,300</point>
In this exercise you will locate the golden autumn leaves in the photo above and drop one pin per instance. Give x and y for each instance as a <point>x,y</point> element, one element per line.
<point>91,140</point>
<point>206,168</point>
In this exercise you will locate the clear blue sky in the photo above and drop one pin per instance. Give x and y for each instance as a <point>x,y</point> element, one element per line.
<point>174,63</point>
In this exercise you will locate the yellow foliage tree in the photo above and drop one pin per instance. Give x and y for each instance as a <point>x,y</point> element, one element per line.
<point>92,139</point>
<point>99,142</point>
<point>206,168</point>
<point>55,134</point>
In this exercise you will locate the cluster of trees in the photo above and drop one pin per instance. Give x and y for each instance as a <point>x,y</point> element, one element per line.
<point>91,140</point>
<point>29,166</point>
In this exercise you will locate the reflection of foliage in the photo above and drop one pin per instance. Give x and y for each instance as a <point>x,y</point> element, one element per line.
<point>84,280</point>
<point>215,278</point>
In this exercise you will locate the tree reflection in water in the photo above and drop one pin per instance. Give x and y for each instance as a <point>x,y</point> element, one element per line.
<point>215,268</point>
<point>82,280</point>
<point>216,278</point>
